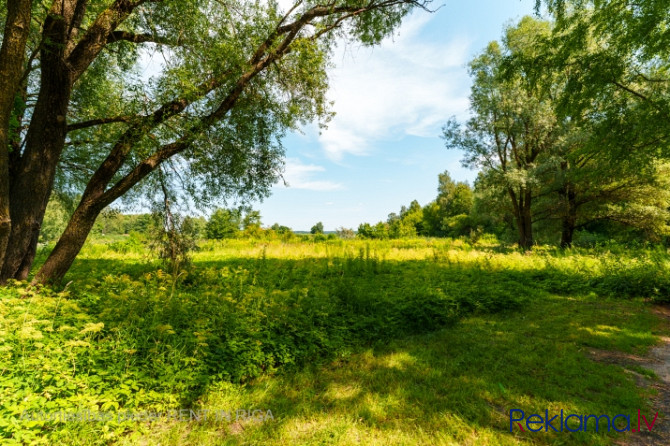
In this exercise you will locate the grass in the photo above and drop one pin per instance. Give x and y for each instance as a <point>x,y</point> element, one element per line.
<point>454,386</point>
<point>403,342</point>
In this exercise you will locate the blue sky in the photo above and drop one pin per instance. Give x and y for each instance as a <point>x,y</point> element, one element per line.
<point>382,149</point>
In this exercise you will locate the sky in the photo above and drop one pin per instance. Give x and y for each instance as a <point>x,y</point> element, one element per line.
<point>383,148</point>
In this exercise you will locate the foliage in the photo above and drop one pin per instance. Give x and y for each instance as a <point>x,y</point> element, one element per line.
<point>618,59</point>
<point>317,228</point>
<point>174,238</point>
<point>235,78</point>
<point>558,170</point>
<point>345,233</point>
<point>142,339</point>
<point>224,223</point>
<point>55,220</point>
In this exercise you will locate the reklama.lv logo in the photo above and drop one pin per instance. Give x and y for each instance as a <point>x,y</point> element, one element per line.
<point>577,423</point>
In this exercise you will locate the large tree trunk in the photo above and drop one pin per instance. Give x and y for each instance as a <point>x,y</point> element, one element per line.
<point>12,55</point>
<point>524,219</point>
<point>569,220</point>
<point>31,188</point>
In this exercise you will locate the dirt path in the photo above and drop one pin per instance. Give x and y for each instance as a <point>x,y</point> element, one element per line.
<point>658,360</point>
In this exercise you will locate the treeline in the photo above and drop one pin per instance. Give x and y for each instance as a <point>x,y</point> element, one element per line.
<point>240,222</point>
<point>627,213</point>
<point>449,215</point>
<point>459,210</point>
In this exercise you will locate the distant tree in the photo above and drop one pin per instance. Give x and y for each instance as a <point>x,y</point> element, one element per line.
<point>380,231</point>
<point>454,205</point>
<point>400,228</point>
<point>365,231</point>
<point>280,229</point>
<point>141,222</point>
<point>251,218</point>
<point>196,226</point>
<point>317,228</point>
<point>55,220</point>
<point>110,221</point>
<point>432,223</point>
<point>345,233</point>
<point>404,225</point>
<point>251,223</point>
<point>454,198</point>
<point>412,216</point>
<point>224,223</point>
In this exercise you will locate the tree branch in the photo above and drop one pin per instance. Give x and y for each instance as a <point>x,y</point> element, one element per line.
<point>630,90</point>
<point>97,36</point>
<point>116,36</point>
<point>258,62</point>
<point>99,121</point>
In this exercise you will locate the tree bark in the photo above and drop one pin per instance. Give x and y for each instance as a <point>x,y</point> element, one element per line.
<point>524,218</point>
<point>569,221</point>
<point>12,56</point>
<point>31,188</point>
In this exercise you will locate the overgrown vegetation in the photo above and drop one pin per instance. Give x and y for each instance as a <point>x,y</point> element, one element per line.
<point>143,339</point>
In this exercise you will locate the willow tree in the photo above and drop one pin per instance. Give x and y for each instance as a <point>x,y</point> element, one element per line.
<point>616,55</point>
<point>614,58</point>
<point>77,114</point>
<point>513,124</point>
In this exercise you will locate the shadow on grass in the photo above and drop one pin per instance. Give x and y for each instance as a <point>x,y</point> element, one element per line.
<point>455,386</point>
<point>360,349</point>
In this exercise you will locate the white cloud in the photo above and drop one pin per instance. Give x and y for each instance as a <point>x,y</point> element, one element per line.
<point>406,86</point>
<point>300,176</point>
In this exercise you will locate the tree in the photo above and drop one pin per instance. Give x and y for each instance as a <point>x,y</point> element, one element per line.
<point>75,116</point>
<point>317,228</point>
<point>365,231</point>
<point>224,223</point>
<point>552,166</point>
<point>432,220</point>
<point>55,220</point>
<point>584,191</point>
<point>280,229</point>
<point>454,201</point>
<point>173,236</point>
<point>513,124</point>
<point>617,60</point>
<point>251,223</point>
<point>17,15</point>
<point>597,70</point>
<point>345,233</point>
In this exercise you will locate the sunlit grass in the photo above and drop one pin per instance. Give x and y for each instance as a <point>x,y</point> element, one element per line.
<point>346,342</point>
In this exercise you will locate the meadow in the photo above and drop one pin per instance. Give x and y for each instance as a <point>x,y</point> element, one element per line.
<point>418,341</point>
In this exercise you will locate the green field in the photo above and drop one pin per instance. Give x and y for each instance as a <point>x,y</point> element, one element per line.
<point>344,342</point>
